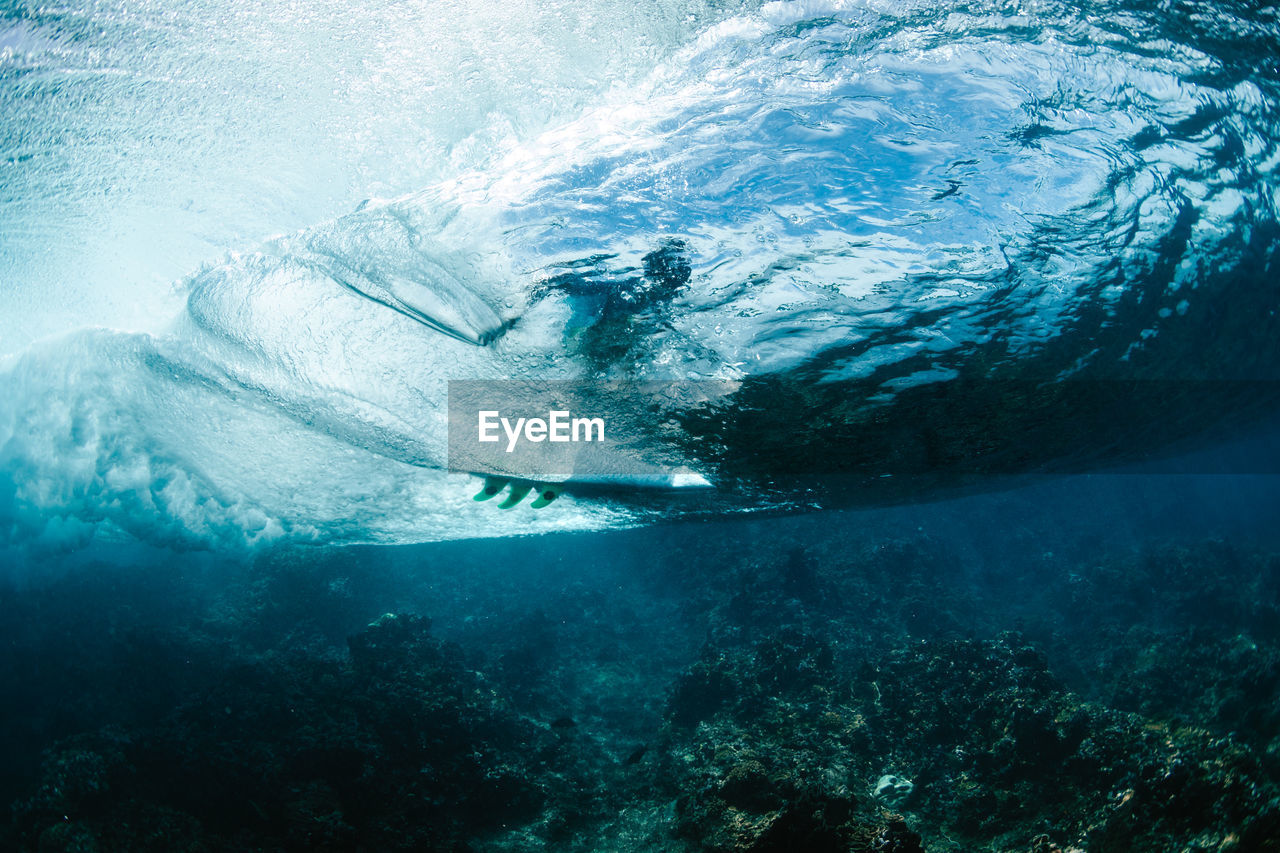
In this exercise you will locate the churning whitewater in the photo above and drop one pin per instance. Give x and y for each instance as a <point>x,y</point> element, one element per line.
<point>850,217</point>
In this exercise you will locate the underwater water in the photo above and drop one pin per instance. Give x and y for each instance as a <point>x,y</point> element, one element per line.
<point>937,344</point>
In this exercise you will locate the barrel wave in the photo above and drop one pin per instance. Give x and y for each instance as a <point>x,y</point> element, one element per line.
<point>909,246</point>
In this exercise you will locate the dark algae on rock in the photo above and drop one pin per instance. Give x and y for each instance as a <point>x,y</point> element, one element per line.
<point>1000,754</point>
<point>899,682</point>
<point>398,748</point>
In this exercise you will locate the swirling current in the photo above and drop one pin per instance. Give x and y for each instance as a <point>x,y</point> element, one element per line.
<point>907,244</point>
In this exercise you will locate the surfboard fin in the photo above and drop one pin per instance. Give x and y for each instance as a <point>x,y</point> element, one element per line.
<point>519,488</point>
<point>547,492</point>
<point>544,493</point>
<point>492,485</point>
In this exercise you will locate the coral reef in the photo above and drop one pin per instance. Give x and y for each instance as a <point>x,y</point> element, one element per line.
<point>762,687</point>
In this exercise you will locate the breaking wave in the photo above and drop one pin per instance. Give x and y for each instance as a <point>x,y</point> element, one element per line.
<point>868,221</point>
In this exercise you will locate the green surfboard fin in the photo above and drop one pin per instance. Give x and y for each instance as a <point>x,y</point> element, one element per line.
<point>519,489</point>
<point>547,492</point>
<point>492,485</point>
